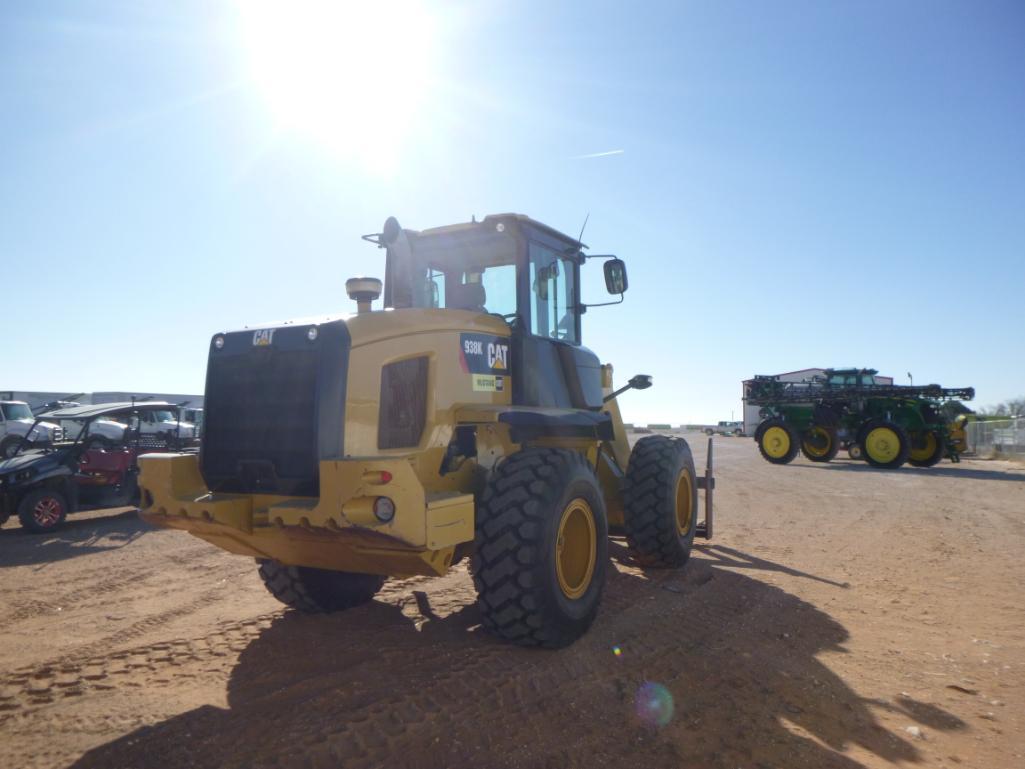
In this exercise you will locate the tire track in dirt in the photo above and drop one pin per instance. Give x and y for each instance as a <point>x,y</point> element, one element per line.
<point>87,670</point>
<point>24,609</point>
<point>30,688</point>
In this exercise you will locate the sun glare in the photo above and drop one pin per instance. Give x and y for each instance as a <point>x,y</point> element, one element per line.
<point>350,75</point>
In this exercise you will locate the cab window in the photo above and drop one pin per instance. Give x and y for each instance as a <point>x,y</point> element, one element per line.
<point>553,294</point>
<point>500,289</point>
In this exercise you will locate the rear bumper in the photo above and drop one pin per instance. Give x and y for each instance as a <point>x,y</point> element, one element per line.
<point>337,531</point>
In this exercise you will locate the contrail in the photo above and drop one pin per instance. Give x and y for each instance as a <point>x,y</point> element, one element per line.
<point>598,155</point>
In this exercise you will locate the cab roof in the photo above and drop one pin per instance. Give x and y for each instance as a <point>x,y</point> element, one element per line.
<point>492,219</point>
<point>102,409</point>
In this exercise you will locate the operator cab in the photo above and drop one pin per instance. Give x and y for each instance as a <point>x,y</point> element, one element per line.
<point>513,267</point>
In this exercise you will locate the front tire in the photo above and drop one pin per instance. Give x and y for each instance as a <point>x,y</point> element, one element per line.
<point>9,445</point>
<point>317,591</point>
<point>884,444</point>
<point>43,511</point>
<point>777,441</point>
<point>541,548</point>
<point>927,448</point>
<point>660,501</point>
<point>819,443</point>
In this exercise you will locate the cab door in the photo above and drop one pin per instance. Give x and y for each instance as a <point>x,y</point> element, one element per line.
<point>554,369</point>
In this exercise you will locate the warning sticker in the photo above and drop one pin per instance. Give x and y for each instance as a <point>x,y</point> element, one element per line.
<point>488,383</point>
<point>484,354</point>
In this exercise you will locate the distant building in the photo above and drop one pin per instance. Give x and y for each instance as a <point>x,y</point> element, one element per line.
<point>751,418</point>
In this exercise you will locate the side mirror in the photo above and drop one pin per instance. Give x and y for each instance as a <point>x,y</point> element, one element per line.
<point>615,276</point>
<point>640,381</point>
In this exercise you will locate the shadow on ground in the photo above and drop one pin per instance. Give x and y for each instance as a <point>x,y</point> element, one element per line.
<point>942,471</point>
<point>78,536</point>
<point>742,662</point>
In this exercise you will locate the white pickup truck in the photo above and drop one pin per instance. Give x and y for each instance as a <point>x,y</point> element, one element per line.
<point>104,433</point>
<point>16,420</point>
<point>726,428</point>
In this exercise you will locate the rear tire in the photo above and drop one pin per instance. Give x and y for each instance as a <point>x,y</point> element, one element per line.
<point>819,443</point>
<point>930,449</point>
<point>316,591</point>
<point>43,511</point>
<point>884,444</point>
<point>660,501</point>
<point>777,441</point>
<point>541,548</point>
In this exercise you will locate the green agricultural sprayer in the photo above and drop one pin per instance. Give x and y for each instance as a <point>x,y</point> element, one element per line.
<point>885,424</point>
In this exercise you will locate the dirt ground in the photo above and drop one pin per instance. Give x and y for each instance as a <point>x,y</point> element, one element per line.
<point>842,617</point>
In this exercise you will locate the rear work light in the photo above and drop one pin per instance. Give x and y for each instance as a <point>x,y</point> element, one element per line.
<point>377,477</point>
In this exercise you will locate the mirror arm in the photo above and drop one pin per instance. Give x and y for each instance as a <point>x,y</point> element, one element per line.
<point>583,307</point>
<point>632,384</point>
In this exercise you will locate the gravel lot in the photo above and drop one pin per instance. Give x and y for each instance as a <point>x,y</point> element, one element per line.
<point>843,617</point>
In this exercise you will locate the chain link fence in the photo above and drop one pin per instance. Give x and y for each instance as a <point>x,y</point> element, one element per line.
<point>997,438</point>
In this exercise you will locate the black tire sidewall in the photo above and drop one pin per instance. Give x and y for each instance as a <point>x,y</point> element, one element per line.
<point>936,457</point>
<point>314,591</point>
<point>514,559</point>
<point>582,608</point>
<point>8,444</point>
<point>902,436</point>
<point>834,445</point>
<point>641,524</point>
<point>795,441</point>
<point>33,498</point>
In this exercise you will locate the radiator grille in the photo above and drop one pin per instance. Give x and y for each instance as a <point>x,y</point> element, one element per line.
<point>261,421</point>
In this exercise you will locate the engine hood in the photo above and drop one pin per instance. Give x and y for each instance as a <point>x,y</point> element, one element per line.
<point>40,461</point>
<point>370,327</point>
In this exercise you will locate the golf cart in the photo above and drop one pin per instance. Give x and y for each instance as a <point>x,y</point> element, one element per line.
<point>43,484</point>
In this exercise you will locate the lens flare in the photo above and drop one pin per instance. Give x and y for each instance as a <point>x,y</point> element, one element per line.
<point>654,704</point>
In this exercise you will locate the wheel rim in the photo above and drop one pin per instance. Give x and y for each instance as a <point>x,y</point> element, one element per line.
<point>817,442</point>
<point>684,510</point>
<point>47,511</point>
<point>776,442</point>
<point>576,548</point>
<point>855,452</point>
<point>882,444</point>
<point>923,447</point>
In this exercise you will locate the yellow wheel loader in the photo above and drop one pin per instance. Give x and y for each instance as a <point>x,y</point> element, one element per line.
<point>464,420</point>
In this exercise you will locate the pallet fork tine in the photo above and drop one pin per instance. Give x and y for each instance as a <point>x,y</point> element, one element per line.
<point>704,528</point>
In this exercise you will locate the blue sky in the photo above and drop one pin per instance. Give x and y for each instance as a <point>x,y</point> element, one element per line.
<point>800,183</point>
